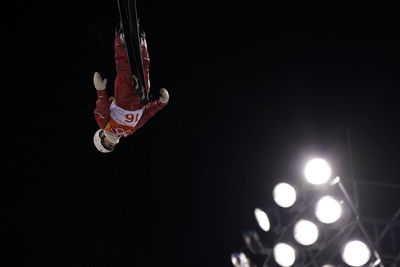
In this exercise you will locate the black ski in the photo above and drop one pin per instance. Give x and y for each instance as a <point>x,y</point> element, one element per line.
<point>130,27</point>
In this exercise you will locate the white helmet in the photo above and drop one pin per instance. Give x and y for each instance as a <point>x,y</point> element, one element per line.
<point>98,140</point>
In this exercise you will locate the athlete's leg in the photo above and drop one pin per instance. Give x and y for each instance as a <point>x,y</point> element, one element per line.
<point>125,96</point>
<point>145,61</point>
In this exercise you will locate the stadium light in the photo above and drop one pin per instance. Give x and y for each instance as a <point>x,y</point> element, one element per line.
<point>317,171</point>
<point>240,260</point>
<point>356,253</point>
<point>328,210</point>
<point>305,232</point>
<point>377,262</point>
<point>335,180</point>
<point>284,254</point>
<point>284,195</point>
<point>262,219</point>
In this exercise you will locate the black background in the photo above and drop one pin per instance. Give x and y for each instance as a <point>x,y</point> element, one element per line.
<point>255,89</point>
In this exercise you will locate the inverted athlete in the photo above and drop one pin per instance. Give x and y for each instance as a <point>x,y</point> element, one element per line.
<point>121,115</point>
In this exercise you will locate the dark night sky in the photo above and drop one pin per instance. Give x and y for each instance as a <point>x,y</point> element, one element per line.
<point>254,89</point>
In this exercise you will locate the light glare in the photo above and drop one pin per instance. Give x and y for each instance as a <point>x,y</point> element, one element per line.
<point>262,219</point>
<point>240,260</point>
<point>317,171</point>
<point>377,262</point>
<point>328,210</point>
<point>234,259</point>
<point>335,180</point>
<point>284,195</point>
<point>305,232</point>
<point>284,254</point>
<point>356,253</point>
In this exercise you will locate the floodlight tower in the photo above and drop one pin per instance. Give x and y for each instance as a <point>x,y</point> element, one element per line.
<point>328,210</point>
<point>333,233</point>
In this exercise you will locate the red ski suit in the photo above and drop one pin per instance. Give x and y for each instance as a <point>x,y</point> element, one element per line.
<point>125,97</point>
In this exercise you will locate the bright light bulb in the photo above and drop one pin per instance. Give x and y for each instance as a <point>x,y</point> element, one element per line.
<point>305,232</point>
<point>262,219</point>
<point>377,262</point>
<point>244,260</point>
<point>284,195</point>
<point>317,171</point>
<point>240,260</point>
<point>234,259</point>
<point>284,254</point>
<point>335,180</point>
<point>356,253</point>
<point>328,210</point>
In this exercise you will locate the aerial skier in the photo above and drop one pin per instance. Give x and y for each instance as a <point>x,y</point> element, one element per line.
<point>121,115</point>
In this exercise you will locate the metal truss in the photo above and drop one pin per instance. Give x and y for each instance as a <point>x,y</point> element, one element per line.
<point>382,235</point>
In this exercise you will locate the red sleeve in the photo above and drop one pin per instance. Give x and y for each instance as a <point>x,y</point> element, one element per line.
<point>102,110</point>
<point>149,111</point>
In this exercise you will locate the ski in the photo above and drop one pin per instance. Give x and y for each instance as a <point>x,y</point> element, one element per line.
<point>130,27</point>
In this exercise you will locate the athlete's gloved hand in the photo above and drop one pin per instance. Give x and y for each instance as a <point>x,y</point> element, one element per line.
<point>164,96</point>
<point>98,82</point>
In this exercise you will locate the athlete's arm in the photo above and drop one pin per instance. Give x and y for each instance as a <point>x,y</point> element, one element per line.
<point>153,107</point>
<point>102,110</point>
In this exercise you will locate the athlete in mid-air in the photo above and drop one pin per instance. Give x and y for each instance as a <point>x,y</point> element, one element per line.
<point>123,114</point>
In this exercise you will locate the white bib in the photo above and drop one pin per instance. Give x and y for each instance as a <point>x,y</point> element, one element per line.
<point>125,117</point>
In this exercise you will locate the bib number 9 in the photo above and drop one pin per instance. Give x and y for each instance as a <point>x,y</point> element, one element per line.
<point>129,118</point>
